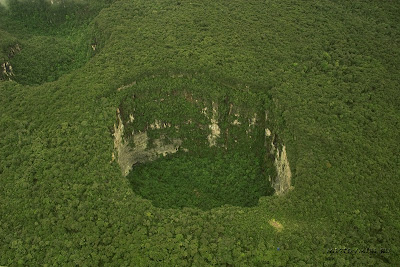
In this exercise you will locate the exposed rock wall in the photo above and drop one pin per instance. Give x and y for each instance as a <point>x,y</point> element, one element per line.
<point>215,130</point>
<point>282,183</point>
<point>221,130</point>
<point>6,70</point>
<point>128,156</point>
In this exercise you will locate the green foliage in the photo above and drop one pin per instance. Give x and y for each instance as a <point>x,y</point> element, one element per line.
<point>53,37</point>
<point>45,59</point>
<point>188,180</point>
<point>45,17</point>
<point>326,70</point>
<point>6,41</point>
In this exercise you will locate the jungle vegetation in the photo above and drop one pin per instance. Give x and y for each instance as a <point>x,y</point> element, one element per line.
<point>328,71</point>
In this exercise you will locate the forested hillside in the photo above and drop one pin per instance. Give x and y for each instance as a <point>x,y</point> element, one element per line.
<point>323,78</point>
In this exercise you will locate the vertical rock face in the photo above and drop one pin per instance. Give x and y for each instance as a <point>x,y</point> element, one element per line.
<point>215,131</point>
<point>123,150</point>
<point>282,183</point>
<point>138,148</point>
<point>203,125</point>
<point>6,70</point>
<point>155,139</point>
<point>140,153</point>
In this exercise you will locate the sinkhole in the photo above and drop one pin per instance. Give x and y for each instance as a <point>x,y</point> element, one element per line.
<point>40,41</point>
<point>187,141</point>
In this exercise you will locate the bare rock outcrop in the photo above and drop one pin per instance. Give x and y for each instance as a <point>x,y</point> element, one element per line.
<point>222,130</point>
<point>283,180</point>
<point>128,156</point>
<point>215,130</point>
<point>6,70</point>
<point>282,183</point>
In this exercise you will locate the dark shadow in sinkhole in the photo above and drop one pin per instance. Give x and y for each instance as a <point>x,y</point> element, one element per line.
<point>202,181</point>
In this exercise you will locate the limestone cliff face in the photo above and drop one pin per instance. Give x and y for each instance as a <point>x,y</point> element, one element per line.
<point>137,147</point>
<point>124,153</point>
<point>6,70</point>
<point>282,183</point>
<point>223,124</point>
<point>128,156</point>
<point>215,130</point>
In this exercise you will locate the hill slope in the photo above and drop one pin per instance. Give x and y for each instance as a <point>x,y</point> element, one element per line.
<point>330,71</point>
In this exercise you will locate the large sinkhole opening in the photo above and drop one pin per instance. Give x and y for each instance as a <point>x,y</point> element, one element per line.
<point>192,142</point>
<point>42,40</point>
<point>203,181</point>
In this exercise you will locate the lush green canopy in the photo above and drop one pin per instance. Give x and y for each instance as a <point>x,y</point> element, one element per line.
<point>329,70</point>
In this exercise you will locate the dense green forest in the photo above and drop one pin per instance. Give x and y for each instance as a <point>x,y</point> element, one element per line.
<point>327,72</point>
